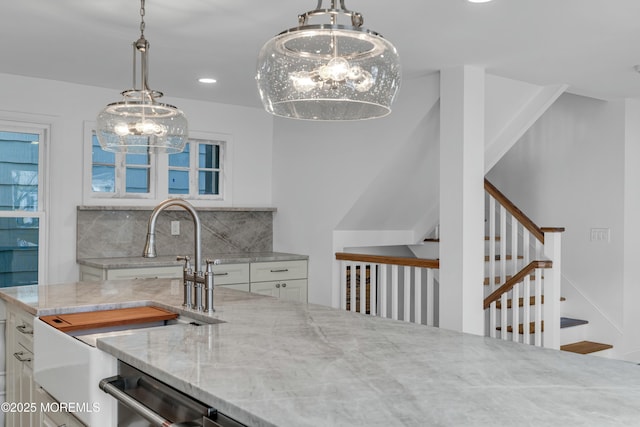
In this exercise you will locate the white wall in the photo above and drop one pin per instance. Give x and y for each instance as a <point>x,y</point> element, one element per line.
<point>568,171</point>
<point>66,106</point>
<point>321,170</point>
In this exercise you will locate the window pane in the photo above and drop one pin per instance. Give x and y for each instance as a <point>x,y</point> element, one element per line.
<point>209,156</point>
<point>208,182</point>
<point>137,180</point>
<point>138,159</point>
<point>180,159</point>
<point>103,179</point>
<point>98,155</point>
<point>18,251</point>
<point>178,182</point>
<point>18,171</point>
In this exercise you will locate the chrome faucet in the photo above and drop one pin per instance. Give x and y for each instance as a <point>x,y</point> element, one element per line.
<point>194,278</point>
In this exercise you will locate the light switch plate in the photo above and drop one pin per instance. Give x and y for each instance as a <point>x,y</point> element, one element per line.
<point>600,234</point>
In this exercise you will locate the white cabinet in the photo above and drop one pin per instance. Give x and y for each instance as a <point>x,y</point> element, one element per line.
<point>281,279</point>
<point>289,290</point>
<point>19,369</point>
<point>286,280</point>
<point>232,276</point>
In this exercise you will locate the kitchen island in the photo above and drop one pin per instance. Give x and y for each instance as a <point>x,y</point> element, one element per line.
<point>278,363</point>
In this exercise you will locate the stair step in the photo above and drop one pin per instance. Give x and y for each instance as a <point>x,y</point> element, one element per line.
<point>508,257</point>
<point>532,301</point>
<point>532,328</point>
<point>496,238</point>
<point>497,280</point>
<point>585,347</point>
<point>567,322</point>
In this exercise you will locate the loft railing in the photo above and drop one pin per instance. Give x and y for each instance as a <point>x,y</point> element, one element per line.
<point>517,252</point>
<point>395,287</point>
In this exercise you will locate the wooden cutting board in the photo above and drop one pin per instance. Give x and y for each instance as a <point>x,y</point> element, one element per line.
<point>106,318</point>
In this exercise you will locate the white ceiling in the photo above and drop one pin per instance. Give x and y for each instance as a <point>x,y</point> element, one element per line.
<point>591,45</point>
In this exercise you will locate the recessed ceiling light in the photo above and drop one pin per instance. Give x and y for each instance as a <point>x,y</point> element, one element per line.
<point>207,80</point>
<point>478,1</point>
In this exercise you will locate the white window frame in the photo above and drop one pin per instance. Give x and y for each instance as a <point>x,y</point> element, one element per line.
<point>194,169</point>
<point>44,130</point>
<point>120,193</point>
<point>159,175</point>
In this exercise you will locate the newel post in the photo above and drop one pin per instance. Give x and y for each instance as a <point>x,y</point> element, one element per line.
<point>552,281</point>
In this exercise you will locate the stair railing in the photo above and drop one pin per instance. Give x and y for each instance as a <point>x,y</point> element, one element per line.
<point>517,252</point>
<point>394,287</point>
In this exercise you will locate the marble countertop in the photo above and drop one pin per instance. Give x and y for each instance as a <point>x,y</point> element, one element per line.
<point>168,260</point>
<point>276,363</point>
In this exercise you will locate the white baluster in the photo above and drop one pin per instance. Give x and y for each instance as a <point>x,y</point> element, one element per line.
<point>394,292</point>
<point>431,303</point>
<point>373,290</point>
<point>504,318</point>
<point>503,244</point>
<point>492,320</point>
<point>538,308</point>
<point>515,312</point>
<point>417,295</point>
<point>383,290</point>
<point>363,288</point>
<point>343,284</point>
<point>407,295</point>
<point>526,309</point>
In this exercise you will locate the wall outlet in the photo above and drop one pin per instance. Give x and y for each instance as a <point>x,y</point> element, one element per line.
<point>175,228</point>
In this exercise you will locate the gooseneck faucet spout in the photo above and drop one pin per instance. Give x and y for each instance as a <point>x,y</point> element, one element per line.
<point>198,284</point>
<point>150,244</point>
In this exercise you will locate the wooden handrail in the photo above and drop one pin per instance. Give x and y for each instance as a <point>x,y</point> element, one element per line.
<point>509,284</point>
<point>513,210</point>
<point>393,260</point>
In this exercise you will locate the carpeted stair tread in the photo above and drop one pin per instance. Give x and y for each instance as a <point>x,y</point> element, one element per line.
<point>567,322</point>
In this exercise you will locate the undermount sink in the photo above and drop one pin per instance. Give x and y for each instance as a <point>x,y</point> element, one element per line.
<point>90,326</point>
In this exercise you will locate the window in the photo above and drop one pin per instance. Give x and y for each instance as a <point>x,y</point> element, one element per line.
<point>200,172</point>
<point>197,171</point>
<point>21,204</point>
<point>118,174</point>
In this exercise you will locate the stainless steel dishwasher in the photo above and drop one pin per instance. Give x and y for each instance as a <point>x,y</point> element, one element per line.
<point>144,401</point>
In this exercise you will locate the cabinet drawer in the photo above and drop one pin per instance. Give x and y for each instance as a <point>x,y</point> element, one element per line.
<point>145,273</point>
<point>228,274</point>
<point>278,270</point>
<point>23,330</point>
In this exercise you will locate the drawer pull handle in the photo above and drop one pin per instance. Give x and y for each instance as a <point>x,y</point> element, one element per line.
<point>221,274</point>
<point>19,355</point>
<point>24,329</point>
<point>279,270</point>
<point>284,285</point>
<point>277,285</point>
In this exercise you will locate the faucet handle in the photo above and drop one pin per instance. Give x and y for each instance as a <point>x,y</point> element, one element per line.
<point>210,263</point>
<point>187,261</point>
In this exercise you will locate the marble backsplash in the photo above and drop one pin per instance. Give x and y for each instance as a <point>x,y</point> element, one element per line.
<point>105,232</point>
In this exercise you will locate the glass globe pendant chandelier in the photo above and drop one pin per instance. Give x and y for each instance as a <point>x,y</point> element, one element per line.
<point>328,71</point>
<point>138,123</point>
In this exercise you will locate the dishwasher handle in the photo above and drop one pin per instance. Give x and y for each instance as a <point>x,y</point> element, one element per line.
<point>107,385</point>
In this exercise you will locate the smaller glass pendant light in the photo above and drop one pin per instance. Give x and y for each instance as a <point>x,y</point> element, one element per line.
<point>138,123</point>
<point>328,71</point>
